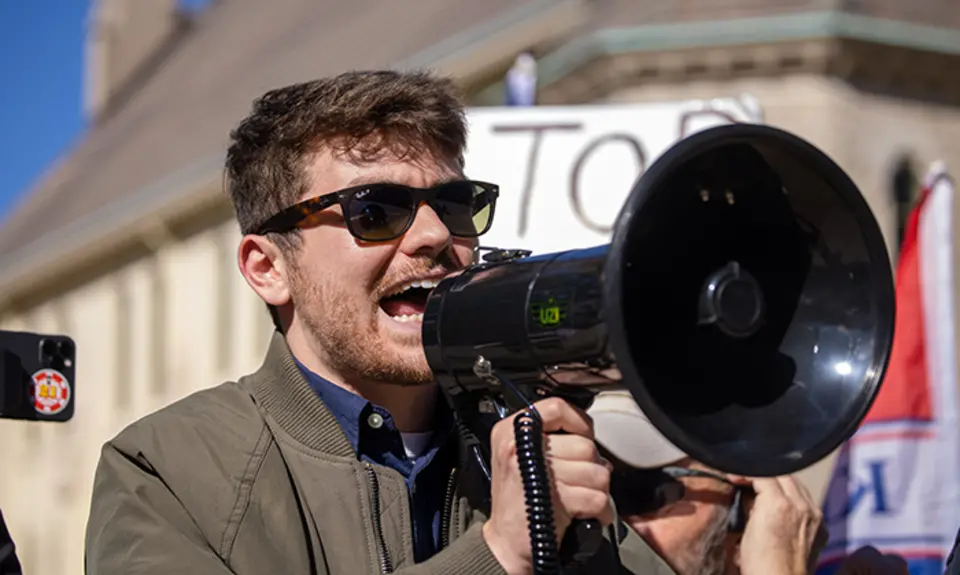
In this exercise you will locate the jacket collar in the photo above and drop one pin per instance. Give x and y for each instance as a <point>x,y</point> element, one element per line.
<point>282,391</point>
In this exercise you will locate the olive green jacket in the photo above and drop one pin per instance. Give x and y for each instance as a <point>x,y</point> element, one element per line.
<point>256,477</point>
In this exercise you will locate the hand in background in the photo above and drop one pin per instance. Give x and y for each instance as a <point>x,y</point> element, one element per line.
<point>785,532</point>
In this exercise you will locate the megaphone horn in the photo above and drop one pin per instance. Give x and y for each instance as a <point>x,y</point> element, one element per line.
<point>746,301</point>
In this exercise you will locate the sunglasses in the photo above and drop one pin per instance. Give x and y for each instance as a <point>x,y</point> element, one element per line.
<point>384,211</point>
<point>641,491</point>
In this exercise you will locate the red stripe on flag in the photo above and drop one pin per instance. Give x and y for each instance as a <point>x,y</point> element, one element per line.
<point>905,393</point>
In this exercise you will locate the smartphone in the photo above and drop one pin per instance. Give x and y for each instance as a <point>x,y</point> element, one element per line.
<point>37,376</point>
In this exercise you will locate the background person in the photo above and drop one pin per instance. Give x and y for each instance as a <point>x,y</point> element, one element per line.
<point>704,522</point>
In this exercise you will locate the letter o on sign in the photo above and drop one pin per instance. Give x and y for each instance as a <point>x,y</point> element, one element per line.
<point>582,158</point>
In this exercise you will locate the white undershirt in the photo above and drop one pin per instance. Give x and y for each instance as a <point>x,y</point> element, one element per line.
<point>416,443</point>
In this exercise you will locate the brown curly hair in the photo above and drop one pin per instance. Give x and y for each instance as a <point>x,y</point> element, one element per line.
<point>364,113</point>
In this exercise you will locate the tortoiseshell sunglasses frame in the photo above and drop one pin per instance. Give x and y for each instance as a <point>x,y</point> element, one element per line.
<point>300,214</point>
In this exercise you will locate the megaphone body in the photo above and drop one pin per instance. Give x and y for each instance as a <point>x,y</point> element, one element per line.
<point>746,301</point>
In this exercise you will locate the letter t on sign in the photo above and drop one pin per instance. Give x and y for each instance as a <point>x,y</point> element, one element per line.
<point>529,178</point>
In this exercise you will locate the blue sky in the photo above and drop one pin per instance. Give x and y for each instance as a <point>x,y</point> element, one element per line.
<point>41,71</point>
<point>41,60</point>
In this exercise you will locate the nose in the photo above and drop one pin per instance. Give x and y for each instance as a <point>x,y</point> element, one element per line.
<point>428,235</point>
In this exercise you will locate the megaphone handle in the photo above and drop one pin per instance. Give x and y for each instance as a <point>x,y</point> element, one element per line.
<point>582,538</point>
<point>581,542</point>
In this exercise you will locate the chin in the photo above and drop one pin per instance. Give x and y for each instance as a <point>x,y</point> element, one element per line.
<point>401,344</point>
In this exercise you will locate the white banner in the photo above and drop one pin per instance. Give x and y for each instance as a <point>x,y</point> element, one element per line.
<point>565,171</point>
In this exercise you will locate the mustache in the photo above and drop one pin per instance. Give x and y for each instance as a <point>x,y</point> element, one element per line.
<point>444,263</point>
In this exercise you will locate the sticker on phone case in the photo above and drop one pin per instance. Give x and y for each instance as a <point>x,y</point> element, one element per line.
<point>51,391</point>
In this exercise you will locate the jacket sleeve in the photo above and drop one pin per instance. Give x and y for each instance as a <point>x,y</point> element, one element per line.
<point>9,564</point>
<point>469,553</point>
<point>138,527</point>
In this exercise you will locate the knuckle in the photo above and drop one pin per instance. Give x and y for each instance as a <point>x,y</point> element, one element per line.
<point>601,478</point>
<point>782,506</point>
<point>550,408</point>
<point>499,429</point>
<point>504,446</point>
<point>598,502</point>
<point>586,449</point>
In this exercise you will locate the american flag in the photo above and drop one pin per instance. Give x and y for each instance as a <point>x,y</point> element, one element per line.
<point>896,485</point>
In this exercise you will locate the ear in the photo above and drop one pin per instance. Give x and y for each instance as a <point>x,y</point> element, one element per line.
<point>265,269</point>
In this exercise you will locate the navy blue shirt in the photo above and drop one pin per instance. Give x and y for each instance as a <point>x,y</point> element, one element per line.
<point>426,476</point>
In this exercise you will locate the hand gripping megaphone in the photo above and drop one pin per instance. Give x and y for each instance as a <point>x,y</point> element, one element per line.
<point>746,301</point>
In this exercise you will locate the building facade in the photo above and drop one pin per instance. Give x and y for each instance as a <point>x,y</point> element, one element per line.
<point>128,244</point>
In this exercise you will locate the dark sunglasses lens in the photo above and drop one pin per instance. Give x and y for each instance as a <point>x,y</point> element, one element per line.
<point>465,207</point>
<point>379,213</point>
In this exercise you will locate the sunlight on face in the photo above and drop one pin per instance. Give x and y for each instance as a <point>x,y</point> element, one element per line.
<point>691,534</point>
<point>339,283</point>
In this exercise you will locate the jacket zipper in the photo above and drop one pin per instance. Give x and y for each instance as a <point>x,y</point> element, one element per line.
<point>385,563</point>
<point>448,508</point>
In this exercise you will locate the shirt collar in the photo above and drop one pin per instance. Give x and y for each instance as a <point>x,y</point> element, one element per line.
<point>353,411</point>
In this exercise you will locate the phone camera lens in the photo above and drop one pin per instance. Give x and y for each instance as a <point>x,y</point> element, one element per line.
<point>65,348</point>
<point>48,349</point>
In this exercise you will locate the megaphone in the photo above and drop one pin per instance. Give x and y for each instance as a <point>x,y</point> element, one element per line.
<point>746,301</point>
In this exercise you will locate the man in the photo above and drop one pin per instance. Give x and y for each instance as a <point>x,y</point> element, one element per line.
<point>337,456</point>
<point>703,522</point>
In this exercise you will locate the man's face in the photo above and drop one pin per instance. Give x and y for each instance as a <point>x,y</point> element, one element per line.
<point>340,286</point>
<point>691,534</point>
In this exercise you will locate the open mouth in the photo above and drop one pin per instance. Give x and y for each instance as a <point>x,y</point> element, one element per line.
<point>408,301</point>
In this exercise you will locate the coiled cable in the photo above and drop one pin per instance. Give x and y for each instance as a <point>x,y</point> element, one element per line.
<point>528,430</point>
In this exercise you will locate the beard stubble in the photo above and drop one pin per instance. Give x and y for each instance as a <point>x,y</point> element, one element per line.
<point>709,556</point>
<point>345,328</point>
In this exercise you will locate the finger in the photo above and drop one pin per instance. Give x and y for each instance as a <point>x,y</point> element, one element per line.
<point>571,447</point>
<point>740,480</point>
<point>585,503</point>
<point>581,474</point>
<point>797,490</point>
<point>791,490</point>
<point>606,463</point>
<point>768,487</point>
<point>558,415</point>
<point>503,442</point>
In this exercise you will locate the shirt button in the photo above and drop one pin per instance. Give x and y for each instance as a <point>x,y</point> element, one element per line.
<point>375,420</point>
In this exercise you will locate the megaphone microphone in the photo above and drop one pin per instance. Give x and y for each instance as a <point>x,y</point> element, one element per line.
<point>746,301</point>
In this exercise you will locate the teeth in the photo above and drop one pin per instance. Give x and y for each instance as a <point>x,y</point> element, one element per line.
<point>425,284</point>
<point>406,318</point>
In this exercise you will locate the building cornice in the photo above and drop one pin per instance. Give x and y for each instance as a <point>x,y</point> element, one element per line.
<point>737,32</point>
<point>855,49</point>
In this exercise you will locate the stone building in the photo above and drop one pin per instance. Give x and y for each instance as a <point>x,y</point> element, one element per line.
<point>127,243</point>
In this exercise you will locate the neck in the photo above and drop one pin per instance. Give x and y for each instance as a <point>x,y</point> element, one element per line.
<point>410,406</point>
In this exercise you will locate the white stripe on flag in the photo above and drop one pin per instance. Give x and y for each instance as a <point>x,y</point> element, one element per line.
<point>896,484</point>
<point>936,240</point>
